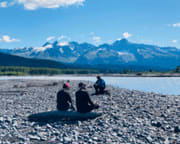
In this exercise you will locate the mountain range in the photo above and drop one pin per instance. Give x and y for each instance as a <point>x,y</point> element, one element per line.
<point>121,53</point>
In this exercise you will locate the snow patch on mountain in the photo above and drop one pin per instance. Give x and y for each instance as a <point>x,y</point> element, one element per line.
<point>100,49</point>
<point>122,53</point>
<point>63,44</point>
<point>37,49</point>
<point>61,50</point>
<point>119,53</point>
<point>71,48</point>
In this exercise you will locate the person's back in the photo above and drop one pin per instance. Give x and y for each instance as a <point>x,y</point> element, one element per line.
<point>101,83</point>
<point>64,99</point>
<point>83,101</point>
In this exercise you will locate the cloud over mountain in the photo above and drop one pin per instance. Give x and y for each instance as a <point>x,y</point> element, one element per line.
<point>35,4</point>
<point>3,4</point>
<point>7,39</point>
<point>50,38</point>
<point>176,25</point>
<point>96,39</point>
<point>174,41</point>
<point>127,35</point>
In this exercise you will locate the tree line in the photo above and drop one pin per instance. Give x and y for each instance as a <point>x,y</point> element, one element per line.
<point>17,71</point>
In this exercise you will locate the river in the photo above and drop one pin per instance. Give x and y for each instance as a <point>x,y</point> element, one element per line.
<point>163,85</point>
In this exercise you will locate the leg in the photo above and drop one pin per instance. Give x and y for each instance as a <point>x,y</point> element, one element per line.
<point>87,109</point>
<point>101,91</point>
<point>62,107</point>
<point>96,88</point>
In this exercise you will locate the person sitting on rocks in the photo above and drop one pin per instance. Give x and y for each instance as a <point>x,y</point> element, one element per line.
<point>100,86</point>
<point>64,101</point>
<point>83,101</point>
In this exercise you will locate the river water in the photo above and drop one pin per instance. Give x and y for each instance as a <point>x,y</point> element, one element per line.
<point>163,85</point>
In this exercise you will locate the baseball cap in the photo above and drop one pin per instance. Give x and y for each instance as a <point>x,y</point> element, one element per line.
<point>66,85</point>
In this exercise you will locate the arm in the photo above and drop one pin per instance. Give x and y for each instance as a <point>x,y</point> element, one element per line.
<point>57,97</point>
<point>70,101</point>
<point>89,100</point>
<point>96,83</point>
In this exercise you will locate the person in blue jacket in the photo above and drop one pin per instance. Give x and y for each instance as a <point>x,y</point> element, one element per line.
<point>100,85</point>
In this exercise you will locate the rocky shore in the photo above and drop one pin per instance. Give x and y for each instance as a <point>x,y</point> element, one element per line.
<point>129,117</point>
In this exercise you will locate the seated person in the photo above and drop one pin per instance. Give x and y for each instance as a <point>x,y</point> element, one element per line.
<point>64,101</point>
<point>83,101</point>
<point>100,85</point>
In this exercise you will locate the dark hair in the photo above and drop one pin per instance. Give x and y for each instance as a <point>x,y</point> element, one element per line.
<point>98,77</point>
<point>81,84</point>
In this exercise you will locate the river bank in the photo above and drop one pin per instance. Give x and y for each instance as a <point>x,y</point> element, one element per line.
<point>139,74</point>
<point>128,116</point>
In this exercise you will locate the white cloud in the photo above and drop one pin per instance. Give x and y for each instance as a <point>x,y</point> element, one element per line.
<point>35,4</point>
<point>7,39</point>
<point>92,33</point>
<point>96,39</point>
<point>3,4</point>
<point>176,25</point>
<point>174,41</point>
<point>127,35</point>
<point>110,41</point>
<point>61,37</point>
<point>50,38</point>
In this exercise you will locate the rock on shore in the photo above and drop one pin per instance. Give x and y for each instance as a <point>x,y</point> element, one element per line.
<point>128,116</point>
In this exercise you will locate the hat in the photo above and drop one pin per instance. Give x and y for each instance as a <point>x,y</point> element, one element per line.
<point>81,85</point>
<point>66,85</point>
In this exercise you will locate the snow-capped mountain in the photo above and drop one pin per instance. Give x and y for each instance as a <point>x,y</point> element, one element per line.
<point>121,52</point>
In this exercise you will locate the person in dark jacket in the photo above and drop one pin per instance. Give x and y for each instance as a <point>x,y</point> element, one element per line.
<point>100,85</point>
<point>83,101</point>
<point>64,101</point>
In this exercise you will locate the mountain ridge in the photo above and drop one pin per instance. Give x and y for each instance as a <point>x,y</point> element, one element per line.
<point>121,52</point>
<point>10,60</point>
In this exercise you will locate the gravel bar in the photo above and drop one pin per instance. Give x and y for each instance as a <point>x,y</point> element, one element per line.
<point>129,117</point>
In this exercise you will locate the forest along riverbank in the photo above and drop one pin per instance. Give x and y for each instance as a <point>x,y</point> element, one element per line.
<point>128,116</point>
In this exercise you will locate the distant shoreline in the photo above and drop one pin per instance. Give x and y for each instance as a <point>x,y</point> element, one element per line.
<point>30,71</point>
<point>104,75</point>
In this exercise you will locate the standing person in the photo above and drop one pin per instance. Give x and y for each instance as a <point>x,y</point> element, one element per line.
<point>64,101</point>
<point>100,85</point>
<point>83,101</point>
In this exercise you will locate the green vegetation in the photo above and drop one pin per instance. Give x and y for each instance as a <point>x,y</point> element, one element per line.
<point>24,71</point>
<point>177,70</point>
<point>21,71</point>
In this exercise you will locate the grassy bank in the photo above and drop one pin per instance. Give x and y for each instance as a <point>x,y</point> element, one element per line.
<point>23,71</point>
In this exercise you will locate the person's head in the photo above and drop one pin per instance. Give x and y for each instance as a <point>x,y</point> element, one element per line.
<point>98,77</point>
<point>66,86</point>
<point>82,85</point>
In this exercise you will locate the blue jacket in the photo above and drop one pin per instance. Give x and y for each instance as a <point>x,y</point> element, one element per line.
<point>101,83</point>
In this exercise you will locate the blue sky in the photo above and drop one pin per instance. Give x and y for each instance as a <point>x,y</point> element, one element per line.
<point>32,23</point>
